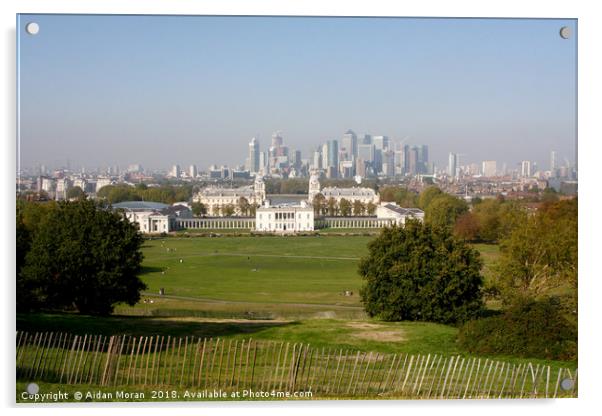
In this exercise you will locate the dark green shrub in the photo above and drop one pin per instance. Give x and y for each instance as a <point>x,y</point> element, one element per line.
<point>421,273</point>
<point>529,328</point>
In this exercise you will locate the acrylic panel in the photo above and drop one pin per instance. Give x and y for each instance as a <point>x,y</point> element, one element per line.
<point>295,208</point>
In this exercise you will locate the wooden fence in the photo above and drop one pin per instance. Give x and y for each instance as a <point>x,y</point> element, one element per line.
<point>227,364</point>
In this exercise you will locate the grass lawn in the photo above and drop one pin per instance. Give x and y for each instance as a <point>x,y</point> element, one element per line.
<point>308,270</point>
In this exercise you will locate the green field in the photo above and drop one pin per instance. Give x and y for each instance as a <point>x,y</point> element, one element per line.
<point>303,270</point>
<point>283,289</point>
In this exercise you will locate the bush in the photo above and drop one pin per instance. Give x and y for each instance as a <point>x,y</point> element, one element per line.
<point>529,328</point>
<point>421,273</point>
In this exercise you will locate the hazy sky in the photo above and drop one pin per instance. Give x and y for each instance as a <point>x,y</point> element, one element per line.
<point>160,90</point>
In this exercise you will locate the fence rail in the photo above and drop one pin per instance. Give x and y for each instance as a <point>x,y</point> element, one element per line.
<point>216,363</point>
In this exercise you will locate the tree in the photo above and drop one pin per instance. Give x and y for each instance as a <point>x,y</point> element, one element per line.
<point>539,256</point>
<point>228,210</point>
<point>427,195</point>
<point>76,193</point>
<point>198,209</point>
<point>444,210</point>
<point>345,207</point>
<point>488,215</point>
<point>319,204</point>
<point>400,195</point>
<point>421,273</point>
<point>467,227</point>
<point>82,256</point>
<point>370,208</point>
<point>332,206</point>
<point>243,205</point>
<point>358,207</point>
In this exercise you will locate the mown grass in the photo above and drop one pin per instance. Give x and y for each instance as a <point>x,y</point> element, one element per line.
<point>261,269</point>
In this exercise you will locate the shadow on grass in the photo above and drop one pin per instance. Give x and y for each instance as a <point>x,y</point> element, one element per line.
<point>151,269</point>
<point>138,325</point>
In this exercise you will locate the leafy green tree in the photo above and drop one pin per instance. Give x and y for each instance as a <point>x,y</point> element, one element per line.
<point>488,216</point>
<point>539,256</point>
<point>467,227</point>
<point>421,273</point>
<point>82,256</point>
<point>400,195</point>
<point>319,205</point>
<point>243,205</point>
<point>228,210</point>
<point>358,208</point>
<point>370,208</point>
<point>332,207</point>
<point>427,195</point>
<point>444,210</point>
<point>76,193</point>
<point>345,207</point>
<point>198,209</point>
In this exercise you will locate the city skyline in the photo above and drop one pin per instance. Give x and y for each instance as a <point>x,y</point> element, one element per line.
<point>189,90</point>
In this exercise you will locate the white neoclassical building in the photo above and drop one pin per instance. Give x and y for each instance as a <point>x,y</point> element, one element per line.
<point>215,198</point>
<point>284,218</point>
<point>356,193</point>
<point>151,217</point>
<point>399,215</point>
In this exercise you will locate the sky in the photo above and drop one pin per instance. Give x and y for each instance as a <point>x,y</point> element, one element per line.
<point>99,91</point>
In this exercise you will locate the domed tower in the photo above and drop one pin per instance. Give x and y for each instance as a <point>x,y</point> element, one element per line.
<point>259,189</point>
<point>314,186</point>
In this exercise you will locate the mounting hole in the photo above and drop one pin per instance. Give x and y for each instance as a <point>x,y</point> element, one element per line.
<point>33,388</point>
<point>567,384</point>
<point>565,32</point>
<point>32,28</point>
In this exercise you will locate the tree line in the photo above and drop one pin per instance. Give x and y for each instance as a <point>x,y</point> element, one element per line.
<point>430,272</point>
<point>167,194</point>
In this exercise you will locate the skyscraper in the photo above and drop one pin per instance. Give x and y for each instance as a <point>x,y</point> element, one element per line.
<point>192,171</point>
<point>349,145</point>
<point>525,168</point>
<point>452,165</point>
<point>317,159</point>
<point>253,161</point>
<point>489,168</point>
<point>175,172</point>
<point>333,155</point>
<point>366,152</point>
<point>553,161</point>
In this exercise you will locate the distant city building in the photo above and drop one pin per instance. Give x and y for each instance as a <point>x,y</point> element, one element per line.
<point>317,162</point>
<point>489,168</point>
<point>102,182</point>
<point>525,169</point>
<point>134,168</point>
<point>284,218</point>
<point>333,158</point>
<point>253,164</point>
<point>452,165</point>
<point>192,171</point>
<point>349,146</point>
<point>175,172</point>
<point>62,187</point>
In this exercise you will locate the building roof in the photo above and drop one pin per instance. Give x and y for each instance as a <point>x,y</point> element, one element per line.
<point>215,191</point>
<point>349,192</point>
<point>404,211</point>
<point>141,205</point>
